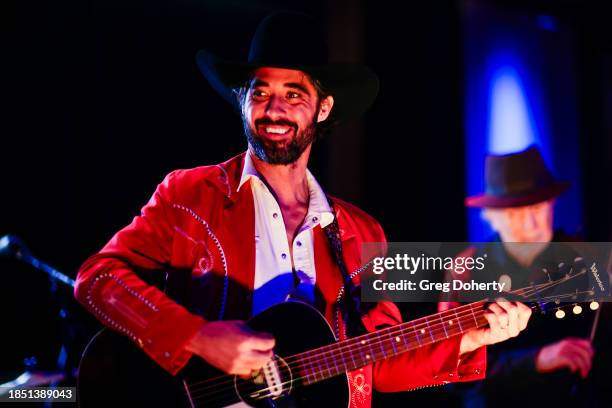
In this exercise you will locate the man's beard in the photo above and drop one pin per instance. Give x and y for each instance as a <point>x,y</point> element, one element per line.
<point>276,151</point>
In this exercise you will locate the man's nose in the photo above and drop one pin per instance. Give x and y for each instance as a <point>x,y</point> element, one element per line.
<point>275,107</point>
<point>531,220</point>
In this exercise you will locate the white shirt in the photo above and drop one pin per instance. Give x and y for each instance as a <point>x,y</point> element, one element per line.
<point>274,277</point>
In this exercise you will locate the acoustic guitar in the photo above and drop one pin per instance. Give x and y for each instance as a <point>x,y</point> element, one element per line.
<point>309,366</point>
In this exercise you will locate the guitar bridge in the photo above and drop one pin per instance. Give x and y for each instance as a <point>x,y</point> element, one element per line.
<point>273,378</point>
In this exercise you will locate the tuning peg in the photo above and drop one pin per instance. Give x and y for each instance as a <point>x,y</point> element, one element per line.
<point>577,309</point>
<point>547,274</point>
<point>594,305</point>
<point>559,314</point>
<point>506,280</point>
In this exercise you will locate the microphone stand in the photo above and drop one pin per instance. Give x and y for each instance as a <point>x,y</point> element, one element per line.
<point>11,245</point>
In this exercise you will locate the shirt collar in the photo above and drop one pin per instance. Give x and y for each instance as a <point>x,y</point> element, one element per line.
<point>318,206</point>
<point>248,170</point>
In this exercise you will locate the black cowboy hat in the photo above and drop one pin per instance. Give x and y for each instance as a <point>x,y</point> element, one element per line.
<point>294,41</point>
<point>515,180</point>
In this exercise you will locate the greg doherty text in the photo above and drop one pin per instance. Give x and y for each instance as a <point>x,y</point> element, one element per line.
<point>426,285</point>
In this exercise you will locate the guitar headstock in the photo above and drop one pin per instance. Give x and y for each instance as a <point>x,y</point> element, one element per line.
<point>572,286</point>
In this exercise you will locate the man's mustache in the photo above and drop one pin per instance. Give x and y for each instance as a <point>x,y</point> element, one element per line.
<point>279,122</point>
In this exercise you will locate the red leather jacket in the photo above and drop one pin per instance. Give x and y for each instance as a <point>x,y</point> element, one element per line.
<point>197,221</point>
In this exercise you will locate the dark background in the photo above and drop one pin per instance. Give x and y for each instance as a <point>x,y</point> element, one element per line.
<point>103,98</point>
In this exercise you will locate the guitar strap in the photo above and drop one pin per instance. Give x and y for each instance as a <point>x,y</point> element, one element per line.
<point>352,299</point>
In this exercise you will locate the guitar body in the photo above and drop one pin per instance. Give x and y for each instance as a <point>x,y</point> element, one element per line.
<point>116,372</point>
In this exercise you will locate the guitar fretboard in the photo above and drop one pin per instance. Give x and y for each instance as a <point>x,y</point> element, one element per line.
<point>338,358</point>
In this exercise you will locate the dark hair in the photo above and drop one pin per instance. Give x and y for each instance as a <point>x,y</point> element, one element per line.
<point>323,128</point>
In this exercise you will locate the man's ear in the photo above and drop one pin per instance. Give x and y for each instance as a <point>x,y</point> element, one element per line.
<point>325,108</point>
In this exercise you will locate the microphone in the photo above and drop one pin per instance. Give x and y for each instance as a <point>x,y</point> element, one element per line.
<point>11,245</point>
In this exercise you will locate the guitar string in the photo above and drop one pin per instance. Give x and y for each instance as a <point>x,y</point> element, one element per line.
<point>333,346</point>
<point>311,355</point>
<point>547,299</point>
<point>436,330</point>
<point>199,395</point>
<point>317,355</point>
<point>209,393</point>
<point>433,319</point>
<point>330,347</point>
<point>390,333</point>
<point>229,379</point>
<point>297,382</point>
<point>301,384</point>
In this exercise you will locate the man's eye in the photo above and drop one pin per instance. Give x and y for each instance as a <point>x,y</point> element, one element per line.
<point>258,93</point>
<point>293,95</point>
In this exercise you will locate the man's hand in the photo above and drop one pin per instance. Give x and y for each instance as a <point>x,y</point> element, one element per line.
<point>232,346</point>
<point>506,319</point>
<point>573,353</point>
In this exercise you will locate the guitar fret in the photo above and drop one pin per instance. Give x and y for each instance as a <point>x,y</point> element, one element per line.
<point>458,320</point>
<point>362,360</point>
<point>353,360</point>
<point>392,341</point>
<point>473,315</point>
<point>327,365</point>
<point>318,367</point>
<point>304,369</point>
<point>333,358</point>
<point>316,372</point>
<point>314,368</point>
<point>415,332</point>
<point>404,337</point>
<point>382,347</point>
<point>429,330</point>
<point>443,325</point>
<point>309,362</point>
<point>371,351</point>
<point>343,362</point>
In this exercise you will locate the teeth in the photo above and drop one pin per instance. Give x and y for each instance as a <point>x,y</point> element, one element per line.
<point>280,131</point>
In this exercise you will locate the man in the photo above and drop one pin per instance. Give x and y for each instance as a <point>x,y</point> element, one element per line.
<point>518,205</point>
<point>254,231</point>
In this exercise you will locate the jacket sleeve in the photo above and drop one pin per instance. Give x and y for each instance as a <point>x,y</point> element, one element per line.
<point>109,288</point>
<point>435,364</point>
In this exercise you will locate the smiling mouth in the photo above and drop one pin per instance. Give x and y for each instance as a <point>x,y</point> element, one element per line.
<point>276,130</point>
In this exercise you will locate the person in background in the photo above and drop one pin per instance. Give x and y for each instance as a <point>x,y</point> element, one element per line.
<point>544,365</point>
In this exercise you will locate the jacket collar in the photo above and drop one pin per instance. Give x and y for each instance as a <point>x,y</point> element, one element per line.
<point>228,177</point>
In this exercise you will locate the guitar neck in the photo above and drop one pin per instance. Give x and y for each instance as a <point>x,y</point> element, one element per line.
<point>338,358</point>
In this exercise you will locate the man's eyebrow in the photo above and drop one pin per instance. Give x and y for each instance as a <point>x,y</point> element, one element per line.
<point>259,82</point>
<point>296,85</point>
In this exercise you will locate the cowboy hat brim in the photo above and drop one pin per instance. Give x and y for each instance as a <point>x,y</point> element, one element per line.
<point>353,86</point>
<point>542,194</point>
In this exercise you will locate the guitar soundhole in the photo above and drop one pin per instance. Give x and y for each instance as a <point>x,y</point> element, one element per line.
<point>273,382</point>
